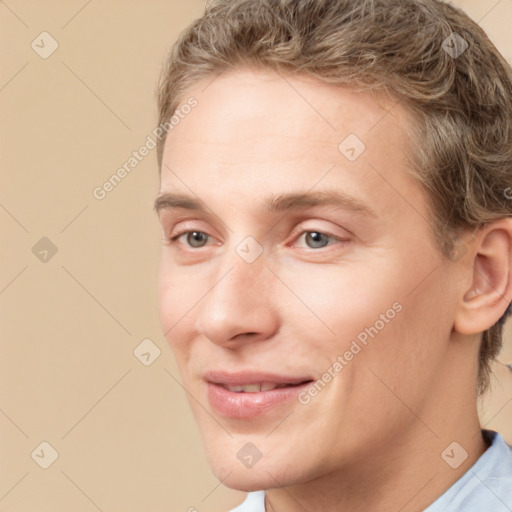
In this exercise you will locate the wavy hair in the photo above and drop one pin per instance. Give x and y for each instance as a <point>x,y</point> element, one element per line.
<point>459,98</point>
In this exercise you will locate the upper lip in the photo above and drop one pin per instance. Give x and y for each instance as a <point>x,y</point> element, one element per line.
<point>251,377</point>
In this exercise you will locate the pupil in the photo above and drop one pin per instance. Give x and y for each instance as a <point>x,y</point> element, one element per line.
<point>196,238</point>
<point>317,239</point>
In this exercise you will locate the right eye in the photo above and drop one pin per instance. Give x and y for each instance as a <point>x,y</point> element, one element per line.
<point>194,239</point>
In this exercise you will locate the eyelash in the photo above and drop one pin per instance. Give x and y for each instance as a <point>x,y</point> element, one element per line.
<point>173,240</point>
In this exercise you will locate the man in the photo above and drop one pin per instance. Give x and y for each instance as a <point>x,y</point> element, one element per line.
<point>336,267</point>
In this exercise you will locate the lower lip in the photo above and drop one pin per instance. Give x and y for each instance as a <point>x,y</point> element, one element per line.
<point>249,405</point>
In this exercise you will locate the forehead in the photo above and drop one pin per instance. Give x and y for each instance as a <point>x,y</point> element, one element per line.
<point>259,131</point>
<point>282,104</point>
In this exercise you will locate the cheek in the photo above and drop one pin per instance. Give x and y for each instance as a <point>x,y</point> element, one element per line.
<point>176,299</point>
<point>344,300</point>
<point>379,314</point>
<point>166,299</point>
<point>406,355</point>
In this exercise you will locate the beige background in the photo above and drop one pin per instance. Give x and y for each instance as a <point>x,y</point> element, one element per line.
<point>123,431</point>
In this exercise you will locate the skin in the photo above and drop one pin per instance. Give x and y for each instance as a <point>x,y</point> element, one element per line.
<point>372,438</point>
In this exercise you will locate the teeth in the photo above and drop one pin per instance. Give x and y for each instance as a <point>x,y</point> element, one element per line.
<point>255,388</point>
<point>250,388</point>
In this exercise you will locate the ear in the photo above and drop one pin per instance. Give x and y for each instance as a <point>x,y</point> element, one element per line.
<point>490,291</point>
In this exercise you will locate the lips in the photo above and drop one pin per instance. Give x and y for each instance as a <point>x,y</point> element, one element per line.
<point>254,388</point>
<point>246,395</point>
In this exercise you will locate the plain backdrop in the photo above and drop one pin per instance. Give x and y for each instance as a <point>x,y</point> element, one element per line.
<point>78,275</point>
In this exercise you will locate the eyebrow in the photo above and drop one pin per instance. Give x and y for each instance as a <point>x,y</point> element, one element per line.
<point>274,203</point>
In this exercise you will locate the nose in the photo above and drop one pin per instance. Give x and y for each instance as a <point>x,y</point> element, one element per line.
<point>239,305</point>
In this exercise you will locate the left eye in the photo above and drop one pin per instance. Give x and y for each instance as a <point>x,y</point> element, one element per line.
<point>317,239</point>
<point>195,239</point>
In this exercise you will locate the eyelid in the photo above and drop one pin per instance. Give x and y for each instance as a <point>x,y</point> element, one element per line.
<point>182,226</point>
<point>336,240</point>
<point>301,229</point>
<point>176,236</point>
<point>187,227</point>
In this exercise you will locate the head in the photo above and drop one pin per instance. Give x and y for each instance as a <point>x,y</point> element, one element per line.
<point>348,168</point>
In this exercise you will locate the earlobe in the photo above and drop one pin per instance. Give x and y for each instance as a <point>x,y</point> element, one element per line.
<point>490,291</point>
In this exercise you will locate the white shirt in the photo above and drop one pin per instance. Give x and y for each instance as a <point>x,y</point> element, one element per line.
<point>486,486</point>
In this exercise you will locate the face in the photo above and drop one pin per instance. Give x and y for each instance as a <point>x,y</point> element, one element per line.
<point>299,277</point>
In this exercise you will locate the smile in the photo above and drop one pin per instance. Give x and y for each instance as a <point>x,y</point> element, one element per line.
<point>254,388</point>
<point>247,395</point>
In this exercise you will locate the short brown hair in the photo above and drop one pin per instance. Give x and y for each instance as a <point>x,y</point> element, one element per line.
<point>415,51</point>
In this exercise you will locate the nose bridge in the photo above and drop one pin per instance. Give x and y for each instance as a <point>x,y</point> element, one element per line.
<point>241,269</point>
<point>238,284</point>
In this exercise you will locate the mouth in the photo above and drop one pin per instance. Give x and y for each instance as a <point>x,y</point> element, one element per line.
<point>249,394</point>
<point>256,388</point>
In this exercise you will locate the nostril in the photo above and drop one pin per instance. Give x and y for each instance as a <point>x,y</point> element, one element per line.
<point>244,335</point>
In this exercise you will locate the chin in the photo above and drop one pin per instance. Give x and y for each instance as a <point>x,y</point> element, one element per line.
<point>264,474</point>
<point>249,483</point>
<point>233,474</point>
<point>252,480</point>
